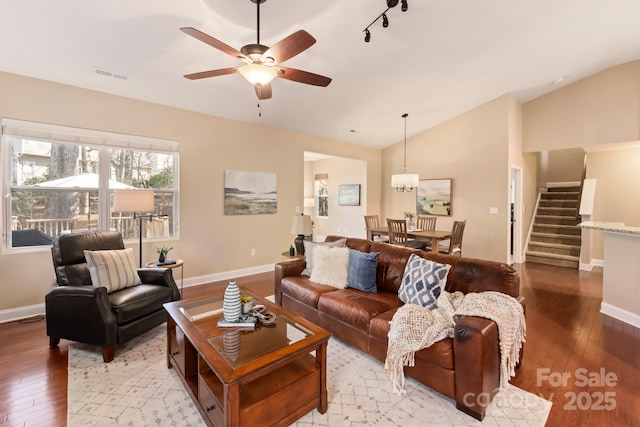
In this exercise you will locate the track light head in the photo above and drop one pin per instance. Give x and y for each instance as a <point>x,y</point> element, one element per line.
<point>392,3</point>
<point>367,36</point>
<point>385,20</point>
<point>405,6</point>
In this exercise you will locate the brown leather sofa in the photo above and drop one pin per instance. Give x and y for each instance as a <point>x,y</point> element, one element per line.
<point>465,368</point>
<point>77,311</point>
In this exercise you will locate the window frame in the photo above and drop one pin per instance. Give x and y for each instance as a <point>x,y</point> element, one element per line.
<point>104,142</point>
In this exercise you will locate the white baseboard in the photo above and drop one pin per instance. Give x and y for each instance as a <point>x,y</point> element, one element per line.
<point>225,275</point>
<point>625,316</point>
<point>13,314</point>
<point>592,264</point>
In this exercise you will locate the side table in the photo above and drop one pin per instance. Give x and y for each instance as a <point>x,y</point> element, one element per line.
<point>287,257</point>
<point>179,263</point>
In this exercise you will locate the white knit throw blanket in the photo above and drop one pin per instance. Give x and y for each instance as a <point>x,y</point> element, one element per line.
<point>414,327</point>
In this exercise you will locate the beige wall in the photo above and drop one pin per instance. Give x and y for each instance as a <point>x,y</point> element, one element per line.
<point>473,150</point>
<point>209,241</point>
<point>343,220</point>
<point>617,176</point>
<point>600,109</point>
<point>560,166</point>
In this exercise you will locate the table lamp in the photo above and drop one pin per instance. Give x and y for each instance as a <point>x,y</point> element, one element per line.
<point>302,227</point>
<point>137,202</point>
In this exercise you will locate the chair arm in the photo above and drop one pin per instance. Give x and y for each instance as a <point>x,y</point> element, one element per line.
<point>284,269</point>
<point>476,363</point>
<point>162,277</point>
<point>81,313</point>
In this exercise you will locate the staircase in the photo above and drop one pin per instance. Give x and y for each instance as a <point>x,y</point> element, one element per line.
<point>555,238</point>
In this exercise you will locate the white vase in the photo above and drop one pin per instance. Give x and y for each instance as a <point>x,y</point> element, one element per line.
<point>231,306</point>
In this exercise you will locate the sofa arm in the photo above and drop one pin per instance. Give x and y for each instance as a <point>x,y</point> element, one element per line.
<point>477,364</point>
<point>162,277</point>
<point>284,269</point>
<point>81,313</point>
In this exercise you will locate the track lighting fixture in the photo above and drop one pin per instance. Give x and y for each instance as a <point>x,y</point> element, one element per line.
<point>383,15</point>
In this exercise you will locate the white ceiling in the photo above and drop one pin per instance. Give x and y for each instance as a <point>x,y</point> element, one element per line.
<point>435,61</point>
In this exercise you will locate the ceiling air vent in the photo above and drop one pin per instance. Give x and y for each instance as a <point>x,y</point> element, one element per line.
<point>112,74</point>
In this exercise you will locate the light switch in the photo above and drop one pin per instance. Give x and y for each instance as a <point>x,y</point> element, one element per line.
<point>493,210</point>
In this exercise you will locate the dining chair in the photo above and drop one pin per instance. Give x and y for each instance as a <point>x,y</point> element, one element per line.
<point>398,234</point>
<point>455,243</point>
<point>426,222</point>
<point>371,221</point>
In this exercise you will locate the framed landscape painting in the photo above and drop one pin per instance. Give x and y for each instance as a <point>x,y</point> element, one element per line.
<point>349,195</point>
<point>249,193</point>
<point>434,197</point>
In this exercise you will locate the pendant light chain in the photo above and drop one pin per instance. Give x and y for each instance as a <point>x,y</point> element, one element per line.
<point>404,170</point>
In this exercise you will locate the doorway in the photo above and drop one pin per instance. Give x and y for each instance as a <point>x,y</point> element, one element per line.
<point>515,216</point>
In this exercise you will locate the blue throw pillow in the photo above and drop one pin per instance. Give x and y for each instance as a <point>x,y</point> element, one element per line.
<point>361,273</point>
<point>422,282</point>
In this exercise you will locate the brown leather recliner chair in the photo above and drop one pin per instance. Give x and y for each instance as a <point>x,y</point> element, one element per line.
<point>77,311</point>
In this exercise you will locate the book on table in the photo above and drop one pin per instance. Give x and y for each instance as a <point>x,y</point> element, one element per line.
<point>245,321</point>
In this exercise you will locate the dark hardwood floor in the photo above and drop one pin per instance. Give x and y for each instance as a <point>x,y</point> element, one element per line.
<point>566,336</point>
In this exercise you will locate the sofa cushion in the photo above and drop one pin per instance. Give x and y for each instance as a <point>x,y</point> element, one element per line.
<point>112,269</point>
<point>423,281</point>
<point>361,273</point>
<point>133,303</point>
<point>330,266</point>
<point>302,289</point>
<point>440,353</point>
<point>356,308</point>
<point>309,248</point>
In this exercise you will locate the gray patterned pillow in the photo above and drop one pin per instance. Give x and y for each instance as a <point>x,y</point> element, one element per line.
<point>422,282</point>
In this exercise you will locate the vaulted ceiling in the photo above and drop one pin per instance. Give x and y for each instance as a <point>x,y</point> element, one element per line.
<point>435,61</point>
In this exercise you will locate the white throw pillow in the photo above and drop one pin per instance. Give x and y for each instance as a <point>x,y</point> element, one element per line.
<point>330,266</point>
<point>309,248</point>
<point>113,269</point>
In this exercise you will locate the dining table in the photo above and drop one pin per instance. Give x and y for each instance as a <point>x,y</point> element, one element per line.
<point>434,236</point>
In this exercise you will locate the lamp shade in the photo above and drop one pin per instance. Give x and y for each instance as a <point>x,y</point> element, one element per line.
<point>133,201</point>
<point>301,225</point>
<point>405,180</point>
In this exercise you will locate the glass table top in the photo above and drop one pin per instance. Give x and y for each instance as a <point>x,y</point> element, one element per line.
<point>201,308</point>
<point>240,346</point>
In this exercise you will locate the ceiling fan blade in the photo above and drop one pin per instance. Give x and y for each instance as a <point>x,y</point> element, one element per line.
<point>263,90</point>
<point>206,38</point>
<point>303,77</point>
<point>290,46</point>
<point>211,73</point>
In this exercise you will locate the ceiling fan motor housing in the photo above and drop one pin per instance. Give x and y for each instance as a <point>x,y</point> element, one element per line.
<point>254,51</point>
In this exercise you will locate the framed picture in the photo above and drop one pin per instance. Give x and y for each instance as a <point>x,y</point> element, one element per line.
<point>434,197</point>
<point>249,193</point>
<point>349,195</point>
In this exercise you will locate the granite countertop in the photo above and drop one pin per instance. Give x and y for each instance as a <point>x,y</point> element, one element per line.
<point>612,227</point>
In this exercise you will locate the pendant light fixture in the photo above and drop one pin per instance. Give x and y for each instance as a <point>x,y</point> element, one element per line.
<point>405,181</point>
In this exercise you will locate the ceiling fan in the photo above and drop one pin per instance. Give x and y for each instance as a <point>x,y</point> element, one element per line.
<point>262,62</point>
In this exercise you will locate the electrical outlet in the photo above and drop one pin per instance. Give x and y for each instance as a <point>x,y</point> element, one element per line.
<point>493,210</point>
<point>253,252</point>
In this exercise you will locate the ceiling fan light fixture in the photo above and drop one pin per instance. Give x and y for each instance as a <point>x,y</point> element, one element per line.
<point>258,73</point>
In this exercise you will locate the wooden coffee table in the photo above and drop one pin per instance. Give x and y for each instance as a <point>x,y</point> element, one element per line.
<point>272,375</point>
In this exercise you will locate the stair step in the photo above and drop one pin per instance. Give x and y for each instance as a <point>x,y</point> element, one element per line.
<point>560,229</point>
<point>571,189</point>
<point>556,260</point>
<point>563,195</point>
<point>554,248</point>
<point>555,238</point>
<point>551,203</point>
<point>556,219</point>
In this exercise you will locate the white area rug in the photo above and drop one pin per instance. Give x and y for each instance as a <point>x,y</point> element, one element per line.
<point>137,389</point>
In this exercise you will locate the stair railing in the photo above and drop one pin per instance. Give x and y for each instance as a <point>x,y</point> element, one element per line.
<point>584,176</point>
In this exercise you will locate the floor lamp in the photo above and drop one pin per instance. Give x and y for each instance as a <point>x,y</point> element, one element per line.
<point>137,202</point>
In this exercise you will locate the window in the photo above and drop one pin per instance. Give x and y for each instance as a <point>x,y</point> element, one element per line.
<point>60,180</point>
<point>322,194</point>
